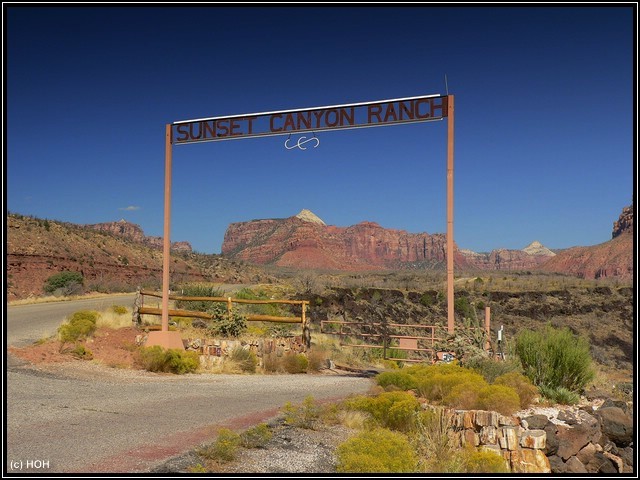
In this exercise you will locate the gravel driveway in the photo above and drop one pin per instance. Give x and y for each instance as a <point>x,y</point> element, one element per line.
<point>87,418</point>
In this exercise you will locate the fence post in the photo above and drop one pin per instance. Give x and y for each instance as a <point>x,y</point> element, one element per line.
<point>229,308</point>
<point>306,332</point>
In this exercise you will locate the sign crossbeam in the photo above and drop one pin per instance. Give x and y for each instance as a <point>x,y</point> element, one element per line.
<point>335,117</point>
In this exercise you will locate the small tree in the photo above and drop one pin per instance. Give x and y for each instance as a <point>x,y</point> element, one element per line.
<point>64,283</point>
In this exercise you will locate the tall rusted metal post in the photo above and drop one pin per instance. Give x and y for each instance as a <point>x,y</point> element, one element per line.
<point>164,337</point>
<point>166,245</point>
<point>450,255</point>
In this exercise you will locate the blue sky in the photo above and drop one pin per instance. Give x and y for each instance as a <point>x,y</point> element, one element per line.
<point>544,133</point>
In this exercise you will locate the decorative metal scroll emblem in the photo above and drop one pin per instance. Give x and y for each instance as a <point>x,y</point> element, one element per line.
<point>301,142</point>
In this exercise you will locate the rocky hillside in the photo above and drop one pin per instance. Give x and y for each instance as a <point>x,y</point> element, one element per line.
<point>305,241</point>
<point>612,259</point>
<point>133,232</point>
<point>37,249</point>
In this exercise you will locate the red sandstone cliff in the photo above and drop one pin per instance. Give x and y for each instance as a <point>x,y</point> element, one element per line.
<point>301,242</point>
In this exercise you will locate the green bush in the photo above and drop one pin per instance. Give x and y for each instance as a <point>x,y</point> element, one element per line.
<point>555,358</point>
<point>521,384</point>
<point>560,395</point>
<point>295,363</point>
<point>499,398</point>
<point>256,437</point>
<point>402,380</point>
<point>224,449</point>
<point>376,451</point>
<point>197,290</point>
<point>118,309</point>
<point>64,283</point>
<point>173,360</point>
<point>393,410</point>
<point>224,325</point>
<point>79,326</point>
<point>435,382</point>
<point>245,358</point>
<point>305,415</point>
<point>490,368</point>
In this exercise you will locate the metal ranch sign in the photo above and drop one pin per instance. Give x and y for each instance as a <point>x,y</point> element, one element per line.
<point>336,117</point>
<point>379,113</point>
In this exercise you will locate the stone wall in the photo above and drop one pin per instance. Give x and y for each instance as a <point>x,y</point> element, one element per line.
<point>572,441</point>
<point>522,448</point>
<point>214,351</point>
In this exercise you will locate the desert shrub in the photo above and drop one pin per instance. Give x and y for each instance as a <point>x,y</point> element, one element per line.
<point>80,351</point>
<point>465,395</point>
<point>400,379</point>
<point>224,449</point>
<point>295,363</point>
<point>376,451</point>
<point>393,410</point>
<point>305,415</point>
<point>271,363</point>
<point>555,358</point>
<point>223,324</point>
<point>89,315</point>
<point>173,360</point>
<point>64,283</point>
<point>118,309</point>
<point>317,360</point>
<point>559,395</point>
<point>245,358</point>
<point>482,461</point>
<point>435,445</point>
<point>490,368</point>
<point>521,384</point>
<point>197,290</point>
<point>499,398</point>
<point>437,381</point>
<point>462,306</point>
<point>256,437</point>
<point>79,326</point>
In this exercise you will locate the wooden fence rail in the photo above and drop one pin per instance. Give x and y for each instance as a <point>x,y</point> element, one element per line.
<point>302,319</point>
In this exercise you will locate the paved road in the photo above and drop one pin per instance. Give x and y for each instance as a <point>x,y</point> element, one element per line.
<point>92,419</point>
<point>29,323</point>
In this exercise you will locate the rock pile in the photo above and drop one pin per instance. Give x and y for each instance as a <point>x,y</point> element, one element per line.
<point>589,440</point>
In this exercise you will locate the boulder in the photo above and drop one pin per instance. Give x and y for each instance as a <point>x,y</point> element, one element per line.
<point>586,453</point>
<point>552,442</point>
<point>556,464</point>
<point>537,422</point>
<point>610,402</point>
<point>600,464</point>
<point>616,425</point>
<point>627,455</point>
<point>573,465</point>
<point>571,439</point>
